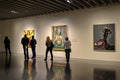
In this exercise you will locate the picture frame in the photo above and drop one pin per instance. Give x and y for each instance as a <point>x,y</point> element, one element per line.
<point>58,36</point>
<point>29,34</point>
<point>104,37</point>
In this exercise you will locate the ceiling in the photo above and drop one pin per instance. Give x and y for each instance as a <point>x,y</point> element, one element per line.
<point>11,9</point>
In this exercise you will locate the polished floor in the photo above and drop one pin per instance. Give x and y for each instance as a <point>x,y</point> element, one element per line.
<point>16,68</point>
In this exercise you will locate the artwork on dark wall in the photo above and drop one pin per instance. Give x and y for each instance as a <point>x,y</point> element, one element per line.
<point>58,36</point>
<point>104,37</point>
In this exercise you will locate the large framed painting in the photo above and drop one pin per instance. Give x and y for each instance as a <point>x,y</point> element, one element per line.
<point>58,36</point>
<point>29,34</point>
<point>104,37</point>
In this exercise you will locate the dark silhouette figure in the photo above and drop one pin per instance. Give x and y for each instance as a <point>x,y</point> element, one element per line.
<point>25,42</point>
<point>33,43</point>
<point>50,72</point>
<point>49,47</point>
<point>106,32</point>
<point>67,45</point>
<point>7,45</point>
<point>67,72</point>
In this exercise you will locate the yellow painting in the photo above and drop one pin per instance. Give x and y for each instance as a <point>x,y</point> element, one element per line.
<point>29,34</point>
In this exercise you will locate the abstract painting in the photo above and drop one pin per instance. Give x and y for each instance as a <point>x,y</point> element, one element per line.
<point>104,37</point>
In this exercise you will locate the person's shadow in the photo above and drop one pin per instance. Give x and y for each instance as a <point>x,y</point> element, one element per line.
<point>29,70</point>
<point>67,72</point>
<point>50,72</point>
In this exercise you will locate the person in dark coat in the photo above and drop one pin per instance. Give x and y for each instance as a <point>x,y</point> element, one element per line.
<point>33,43</point>
<point>49,47</point>
<point>7,45</point>
<point>25,42</point>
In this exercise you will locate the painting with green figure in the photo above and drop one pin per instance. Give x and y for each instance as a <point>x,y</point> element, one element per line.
<point>58,36</point>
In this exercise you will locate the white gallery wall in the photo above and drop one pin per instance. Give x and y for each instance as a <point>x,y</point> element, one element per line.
<point>80,31</point>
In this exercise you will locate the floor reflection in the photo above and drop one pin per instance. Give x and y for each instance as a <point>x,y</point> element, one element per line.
<point>7,64</point>
<point>15,68</point>
<point>67,72</point>
<point>58,71</point>
<point>29,70</point>
<point>50,72</point>
<point>103,74</point>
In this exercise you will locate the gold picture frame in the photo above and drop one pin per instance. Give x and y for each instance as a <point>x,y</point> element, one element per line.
<point>58,36</point>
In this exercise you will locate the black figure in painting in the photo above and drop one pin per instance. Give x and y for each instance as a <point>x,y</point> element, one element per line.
<point>33,43</point>
<point>7,45</point>
<point>67,45</point>
<point>106,32</point>
<point>49,47</point>
<point>25,42</point>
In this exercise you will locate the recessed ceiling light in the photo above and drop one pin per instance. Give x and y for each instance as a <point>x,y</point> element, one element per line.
<point>14,12</point>
<point>69,1</point>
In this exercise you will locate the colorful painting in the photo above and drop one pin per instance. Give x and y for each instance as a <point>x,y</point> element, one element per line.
<point>29,34</point>
<point>104,37</point>
<point>58,36</point>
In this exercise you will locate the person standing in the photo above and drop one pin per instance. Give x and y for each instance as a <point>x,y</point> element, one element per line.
<point>7,45</point>
<point>49,47</point>
<point>67,46</point>
<point>25,42</point>
<point>33,43</point>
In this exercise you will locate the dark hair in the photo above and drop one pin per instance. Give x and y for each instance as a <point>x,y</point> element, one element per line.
<point>25,35</point>
<point>32,36</point>
<point>66,38</point>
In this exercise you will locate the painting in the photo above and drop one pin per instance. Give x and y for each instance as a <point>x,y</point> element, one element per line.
<point>104,37</point>
<point>29,34</point>
<point>58,36</point>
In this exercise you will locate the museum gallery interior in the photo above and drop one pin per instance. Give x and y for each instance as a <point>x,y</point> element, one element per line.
<point>93,27</point>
